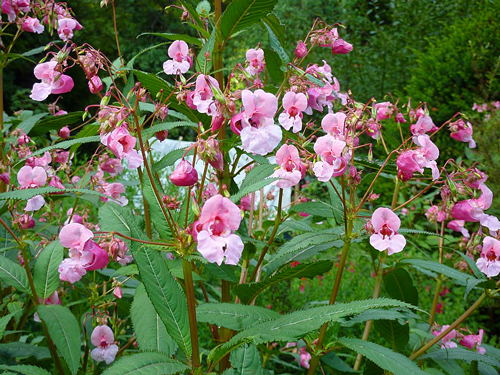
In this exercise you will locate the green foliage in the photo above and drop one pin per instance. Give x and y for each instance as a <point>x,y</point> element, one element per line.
<point>462,355</point>
<point>399,284</point>
<point>147,363</point>
<point>246,360</point>
<point>46,278</point>
<point>396,334</point>
<point>25,370</point>
<point>13,274</point>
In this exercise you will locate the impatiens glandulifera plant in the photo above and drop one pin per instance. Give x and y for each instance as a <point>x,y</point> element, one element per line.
<point>123,261</point>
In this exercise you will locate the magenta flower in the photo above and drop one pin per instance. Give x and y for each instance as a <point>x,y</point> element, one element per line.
<point>255,58</point>
<point>179,53</point>
<point>489,261</point>
<point>95,85</point>
<point>100,257</point>
<point>385,237</point>
<point>412,161</point>
<point>470,341</point>
<point>458,226</point>
<point>13,7</point>
<point>66,27</point>
<point>259,134</point>
<point>333,158</point>
<point>291,170</point>
<point>340,46</point>
<point>29,177</point>
<point>301,50</point>
<point>74,236</point>
<point>214,231</point>
<point>203,94</point>
<point>103,340</point>
<point>384,110</point>
<point>305,357</point>
<point>32,25</point>
<point>112,166</point>
<point>293,105</point>
<point>122,144</point>
<point>462,132</point>
<point>446,342</point>
<point>64,132</point>
<point>53,82</point>
<point>423,125</point>
<point>184,174</point>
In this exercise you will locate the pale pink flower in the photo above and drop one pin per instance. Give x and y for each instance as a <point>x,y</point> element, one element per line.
<point>385,237</point>
<point>489,261</point>
<point>434,214</point>
<point>35,203</point>
<point>122,144</point>
<point>214,231</point>
<point>13,7</point>
<point>423,125</point>
<point>203,94</point>
<point>52,82</point>
<point>446,342</point>
<point>259,134</point>
<point>115,190</point>
<point>66,27</point>
<point>112,166</point>
<point>74,236</point>
<point>458,226</point>
<point>32,25</point>
<point>291,170</point>
<point>293,105</point>
<point>470,341</point>
<point>462,132</point>
<point>255,59</point>
<point>103,340</point>
<point>305,357</point>
<point>61,157</point>
<point>323,72</point>
<point>335,124</point>
<point>184,174</point>
<point>412,161</point>
<point>475,178</point>
<point>29,177</point>
<point>179,53</point>
<point>333,158</point>
<point>44,161</point>
<point>384,110</point>
<point>72,269</point>
<point>95,85</point>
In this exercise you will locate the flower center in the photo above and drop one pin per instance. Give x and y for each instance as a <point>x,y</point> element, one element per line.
<point>386,231</point>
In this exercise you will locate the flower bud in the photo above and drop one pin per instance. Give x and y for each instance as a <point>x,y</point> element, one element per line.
<point>161,135</point>
<point>118,292</point>
<point>301,50</point>
<point>217,121</point>
<point>95,85</point>
<point>64,132</point>
<point>184,174</point>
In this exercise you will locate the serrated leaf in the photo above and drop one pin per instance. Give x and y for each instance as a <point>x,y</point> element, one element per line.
<point>336,363</point>
<point>114,218</point>
<point>167,126</point>
<point>55,122</point>
<point>241,14</point>
<point>457,276</point>
<point>473,266</point>
<point>170,159</point>
<point>396,334</point>
<point>25,370</point>
<point>383,357</point>
<point>246,360</point>
<point>147,363</point>
<point>21,349</point>
<point>187,38</point>
<point>155,207</point>
<point>46,278</point>
<point>3,323</point>
<point>248,292</point>
<point>250,188</point>
<point>148,327</point>
<point>233,316</point>
<point>399,284</point>
<point>13,274</point>
<point>276,36</point>
<point>222,272</point>
<point>315,208</point>
<point>202,63</point>
<point>67,144</point>
<point>26,194</point>
<point>30,122</point>
<point>273,65</point>
<point>463,355</point>
<point>257,173</point>
<point>64,331</point>
<point>374,314</point>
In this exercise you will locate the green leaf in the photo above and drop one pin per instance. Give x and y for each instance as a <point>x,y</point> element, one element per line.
<point>273,65</point>
<point>463,355</point>
<point>23,350</point>
<point>336,363</point>
<point>383,357</point>
<point>233,316</point>
<point>55,122</point>
<point>314,208</point>
<point>114,218</point>
<point>476,271</point>
<point>66,144</point>
<point>259,172</point>
<point>169,159</point>
<point>25,370</point>
<point>273,24</point>
<point>396,334</point>
<point>14,275</point>
<point>147,363</point>
<point>248,292</point>
<point>46,278</point>
<point>165,294</point>
<point>222,272</point>
<point>375,314</point>
<point>202,63</point>
<point>148,327</point>
<point>167,126</point>
<point>187,38</point>
<point>155,208</point>
<point>64,331</point>
<point>3,323</point>
<point>26,194</point>
<point>241,14</point>
<point>257,185</point>
<point>296,325</point>
<point>246,360</point>
<point>399,284</point>
<point>30,122</point>
<point>457,276</point>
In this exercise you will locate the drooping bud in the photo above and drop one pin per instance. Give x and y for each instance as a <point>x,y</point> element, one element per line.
<point>161,135</point>
<point>301,50</point>
<point>64,132</point>
<point>184,174</point>
<point>217,121</point>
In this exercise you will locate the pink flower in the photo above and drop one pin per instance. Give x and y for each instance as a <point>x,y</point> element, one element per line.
<point>246,203</point>
<point>319,97</point>
<point>66,26</point>
<point>412,161</point>
<point>259,135</point>
<point>115,190</point>
<point>301,50</point>
<point>72,269</point>
<point>32,25</point>
<point>400,118</point>
<point>122,144</point>
<point>384,110</point>
<point>293,105</point>
<point>462,132</point>
<point>203,94</point>
<point>446,342</point>
<point>291,169</point>
<point>62,157</point>
<point>53,82</point>
<point>99,258</point>
<point>35,203</point>
<point>64,132</point>
<point>13,7</point>
<point>255,58</point>
<point>112,166</point>
<point>117,292</point>
<point>458,226</point>
<point>95,85</point>
<point>102,338</point>
<point>305,357</point>
<point>470,341</point>
<point>340,46</point>
<point>334,124</point>
<point>424,125</point>
<point>184,174</point>
<point>489,262</point>
<point>475,178</point>
<point>214,231</point>
<point>26,221</point>
<point>333,158</point>
<point>433,214</point>
<point>74,236</point>
<point>179,53</point>
<point>385,237</point>
<point>29,177</point>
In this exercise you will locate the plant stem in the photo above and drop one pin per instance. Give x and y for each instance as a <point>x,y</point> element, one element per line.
<point>116,33</point>
<point>225,333</point>
<point>336,286</point>
<point>191,302</point>
<point>435,301</point>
